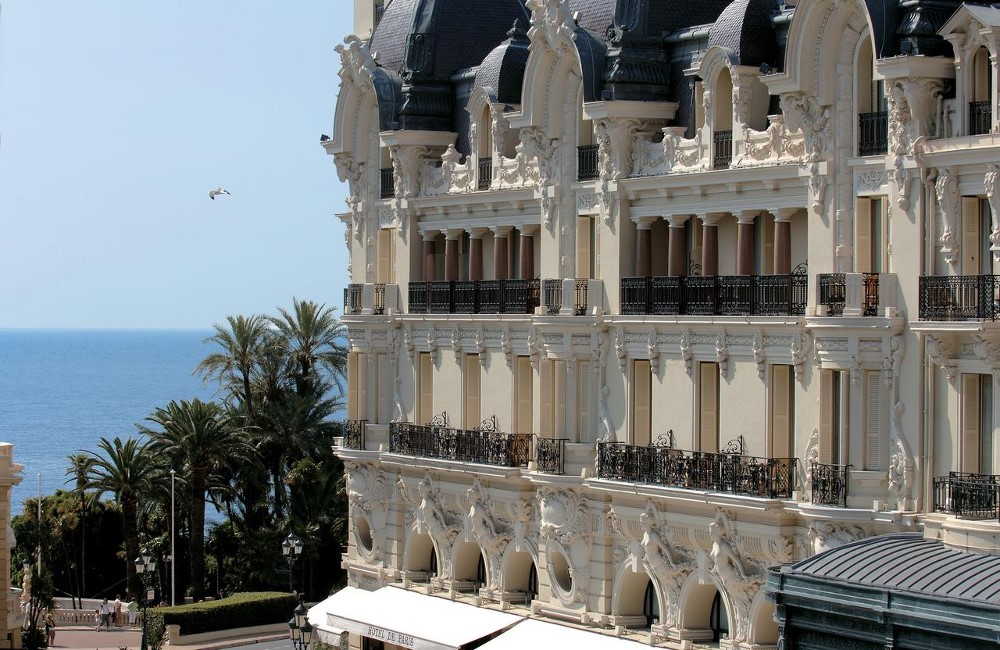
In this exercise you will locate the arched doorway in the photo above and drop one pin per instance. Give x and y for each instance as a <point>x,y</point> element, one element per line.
<point>421,561</point>
<point>469,566</point>
<point>637,604</point>
<point>703,612</point>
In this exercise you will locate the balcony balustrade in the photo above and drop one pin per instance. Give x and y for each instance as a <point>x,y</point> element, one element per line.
<point>554,290</point>
<point>353,298</point>
<point>474,297</point>
<point>369,299</point>
<point>829,484</point>
<point>873,133</point>
<point>722,149</point>
<point>587,163</point>
<point>387,183</point>
<point>481,446</point>
<point>485,174</point>
<point>980,118</point>
<point>835,293</point>
<point>354,434</point>
<point>959,297</point>
<point>971,496</point>
<point>738,295</point>
<point>766,478</point>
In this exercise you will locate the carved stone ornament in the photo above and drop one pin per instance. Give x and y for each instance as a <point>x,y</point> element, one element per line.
<point>565,527</point>
<point>456,343</point>
<point>992,183</point>
<point>430,518</point>
<point>687,356</point>
<point>367,498</point>
<point>484,529</point>
<point>902,467</point>
<point>620,351</point>
<point>408,342</point>
<point>653,349</point>
<point>801,343</point>
<point>949,207</point>
<point>432,343</point>
<point>759,356</point>
<point>481,347</point>
<point>722,354</point>
<point>670,565</point>
<point>899,140</point>
<point>539,147</point>
<point>802,111</point>
<point>811,457</point>
<point>552,26</point>
<point>534,347</point>
<point>942,354</point>
<point>406,163</point>
<point>741,579</point>
<point>826,535</point>
<point>507,347</point>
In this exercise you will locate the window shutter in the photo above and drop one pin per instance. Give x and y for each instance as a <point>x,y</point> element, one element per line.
<point>559,400</point>
<point>827,403</point>
<point>524,389</point>
<point>863,236</point>
<point>970,423</point>
<point>426,388</point>
<point>641,397</point>
<point>970,235</point>
<point>383,383</point>
<point>584,248</point>
<point>352,386</point>
<point>781,411</point>
<point>584,401</point>
<point>873,420</point>
<point>767,244</point>
<point>708,424</point>
<point>545,399</point>
<point>362,386</point>
<point>386,242</point>
<point>981,70</point>
<point>473,382</point>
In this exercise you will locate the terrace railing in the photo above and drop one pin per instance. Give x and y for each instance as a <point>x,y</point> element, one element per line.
<point>873,133</point>
<point>483,446</point>
<point>353,298</point>
<point>740,295</point>
<point>959,297</point>
<point>768,478</point>
<point>829,484</point>
<point>387,183</point>
<point>971,496</point>
<point>474,297</point>
<point>980,118</point>
<point>550,455</point>
<point>587,162</point>
<point>722,149</point>
<point>354,434</point>
<point>485,174</point>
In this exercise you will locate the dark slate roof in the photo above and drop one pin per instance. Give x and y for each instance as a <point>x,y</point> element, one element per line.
<point>595,15</point>
<point>388,41</point>
<point>746,28</point>
<point>665,17</point>
<point>907,562</point>
<point>502,71</point>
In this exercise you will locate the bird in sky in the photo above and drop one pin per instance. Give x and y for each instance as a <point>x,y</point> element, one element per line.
<point>217,191</point>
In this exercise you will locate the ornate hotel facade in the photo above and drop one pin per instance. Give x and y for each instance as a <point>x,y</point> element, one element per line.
<point>647,297</point>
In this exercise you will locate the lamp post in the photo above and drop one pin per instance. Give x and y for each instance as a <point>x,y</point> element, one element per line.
<point>299,628</point>
<point>291,548</point>
<point>145,565</point>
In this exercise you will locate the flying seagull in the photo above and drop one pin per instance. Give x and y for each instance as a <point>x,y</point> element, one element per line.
<point>216,192</point>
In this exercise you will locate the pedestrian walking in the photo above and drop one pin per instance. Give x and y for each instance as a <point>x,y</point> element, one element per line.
<point>105,610</point>
<point>133,611</point>
<point>118,610</point>
<point>50,629</point>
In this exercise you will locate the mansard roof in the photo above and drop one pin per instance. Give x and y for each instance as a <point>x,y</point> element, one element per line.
<point>745,27</point>
<point>502,71</point>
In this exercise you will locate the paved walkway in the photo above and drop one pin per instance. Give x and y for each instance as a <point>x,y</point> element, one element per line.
<point>79,637</point>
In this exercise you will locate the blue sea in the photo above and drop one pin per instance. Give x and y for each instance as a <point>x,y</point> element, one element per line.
<point>61,391</point>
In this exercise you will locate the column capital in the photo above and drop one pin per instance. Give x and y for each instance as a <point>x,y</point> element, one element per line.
<point>677,220</point>
<point>430,235</point>
<point>502,231</point>
<point>747,216</point>
<point>454,233</point>
<point>529,229</point>
<point>478,232</point>
<point>711,218</point>
<point>786,214</point>
<point>645,223</point>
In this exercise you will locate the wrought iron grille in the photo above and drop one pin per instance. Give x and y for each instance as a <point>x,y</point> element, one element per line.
<point>485,174</point>
<point>959,297</point>
<point>833,292</point>
<point>973,496</point>
<point>635,296</point>
<point>387,183</point>
<point>722,149</point>
<point>418,297</point>
<point>441,297</point>
<point>586,162</point>
<point>354,434</point>
<point>465,297</point>
<point>702,295</point>
<point>829,484</point>
<point>980,118</point>
<point>550,455</point>
<point>520,296</point>
<point>469,446</point>
<point>580,298</point>
<point>667,296</point>
<point>353,298</point>
<point>873,133</point>
<point>870,281</point>
<point>378,298</point>
<point>553,296</point>
<point>735,295</point>
<point>768,478</point>
<point>490,296</point>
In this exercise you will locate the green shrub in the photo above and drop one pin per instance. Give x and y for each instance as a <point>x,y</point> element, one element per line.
<point>236,611</point>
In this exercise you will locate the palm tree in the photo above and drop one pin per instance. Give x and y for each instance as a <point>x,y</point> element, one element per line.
<point>315,338</point>
<point>199,439</point>
<point>128,470</point>
<point>241,345</point>
<point>79,467</point>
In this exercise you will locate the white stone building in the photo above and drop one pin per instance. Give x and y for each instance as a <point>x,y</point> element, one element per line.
<point>649,296</point>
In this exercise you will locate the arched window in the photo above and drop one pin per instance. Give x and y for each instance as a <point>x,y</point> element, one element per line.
<point>586,157</point>
<point>481,571</point>
<point>719,618</point>
<point>433,566</point>
<point>981,94</point>
<point>484,149</point>
<point>871,104</point>
<point>532,591</point>
<point>650,605</point>
<point>722,121</point>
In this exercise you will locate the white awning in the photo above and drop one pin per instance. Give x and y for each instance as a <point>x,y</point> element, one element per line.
<point>317,617</point>
<point>537,634</point>
<point>412,620</point>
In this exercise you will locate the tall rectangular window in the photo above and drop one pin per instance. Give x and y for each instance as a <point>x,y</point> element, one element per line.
<point>871,235</point>
<point>426,387</point>
<point>524,378</point>
<point>708,407</point>
<point>386,256</point>
<point>832,407</point>
<point>641,402</point>
<point>384,387</point>
<point>353,389</point>
<point>782,411</point>
<point>584,404</point>
<point>473,383</point>
<point>585,239</point>
<point>975,245</point>
<point>978,437</point>
<point>552,398</point>
<point>874,418</point>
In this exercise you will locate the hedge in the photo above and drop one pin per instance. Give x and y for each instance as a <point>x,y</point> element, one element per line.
<point>235,611</point>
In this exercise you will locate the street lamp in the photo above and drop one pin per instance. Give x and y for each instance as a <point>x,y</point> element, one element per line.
<point>145,565</point>
<point>299,628</point>
<point>291,548</point>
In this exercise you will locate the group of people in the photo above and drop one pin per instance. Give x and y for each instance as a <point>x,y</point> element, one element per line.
<point>109,614</point>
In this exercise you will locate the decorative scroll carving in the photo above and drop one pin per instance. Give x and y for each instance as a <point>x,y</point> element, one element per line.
<point>408,342</point>
<point>992,183</point>
<point>802,111</point>
<point>620,351</point>
<point>447,175</point>
<point>669,564</point>
<point>565,527</point>
<point>507,347</point>
<point>901,463</point>
<point>942,353</point>
<point>687,356</point>
<point>534,347</point>
<point>367,497</point>
<point>481,347</point>
<point>552,25</point>
<point>722,354</point>
<point>653,348</point>
<point>741,579</point>
<point>539,147</point>
<point>825,535</point>
<point>949,206</point>
<point>406,167</point>
<point>759,356</point>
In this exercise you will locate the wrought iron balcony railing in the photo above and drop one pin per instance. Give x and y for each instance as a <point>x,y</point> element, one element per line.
<point>485,174</point>
<point>767,478</point>
<point>586,162</point>
<point>959,297</point>
<point>483,446</point>
<point>354,434</point>
<point>973,496</point>
<point>833,293</point>
<point>980,118</point>
<point>722,149</point>
<point>873,133</point>
<point>552,296</point>
<point>724,295</point>
<point>353,298</point>
<point>829,484</point>
<point>387,183</point>
<point>474,297</point>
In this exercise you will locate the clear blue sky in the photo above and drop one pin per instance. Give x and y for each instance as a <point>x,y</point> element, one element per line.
<point>118,116</point>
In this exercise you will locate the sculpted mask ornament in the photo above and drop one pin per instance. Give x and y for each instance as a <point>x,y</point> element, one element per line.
<point>565,528</point>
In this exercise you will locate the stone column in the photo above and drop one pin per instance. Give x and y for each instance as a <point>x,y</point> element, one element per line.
<point>710,243</point>
<point>429,265</point>
<point>783,240</point>
<point>476,254</point>
<point>677,262</point>
<point>644,247</point>
<point>501,269</point>
<point>527,259</point>
<point>453,237</point>
<point>744,242</point>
